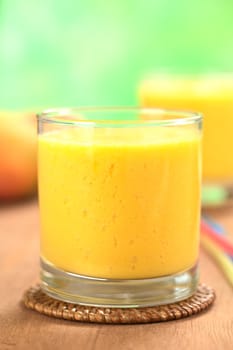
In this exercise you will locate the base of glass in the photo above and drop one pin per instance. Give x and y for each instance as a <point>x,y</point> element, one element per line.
<point>86,290</point>
<point>215,195</point>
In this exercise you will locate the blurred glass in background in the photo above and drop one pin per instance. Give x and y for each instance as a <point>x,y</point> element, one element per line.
<point>212,95</point>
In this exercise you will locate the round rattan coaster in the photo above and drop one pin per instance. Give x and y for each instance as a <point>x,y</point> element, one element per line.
<point>36,299</point>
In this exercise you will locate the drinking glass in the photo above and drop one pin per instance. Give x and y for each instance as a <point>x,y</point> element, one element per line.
<point>119,197</point>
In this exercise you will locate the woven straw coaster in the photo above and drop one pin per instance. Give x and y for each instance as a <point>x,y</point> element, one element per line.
<point>36,299</point>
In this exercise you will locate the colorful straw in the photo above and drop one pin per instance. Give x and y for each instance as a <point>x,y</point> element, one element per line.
<point>215,242</point>
<point>223,261</point>
<point>219,229</point>
<point>222,241</point>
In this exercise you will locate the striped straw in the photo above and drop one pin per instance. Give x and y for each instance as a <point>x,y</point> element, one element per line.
<point>222,241</point>
<point>219,229</point>
<point>223,261</point>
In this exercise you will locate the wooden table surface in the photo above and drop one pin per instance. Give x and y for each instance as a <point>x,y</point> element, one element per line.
<point>24,329</point>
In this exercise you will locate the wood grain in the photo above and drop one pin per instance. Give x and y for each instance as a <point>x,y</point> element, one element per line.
<point>24,329</point>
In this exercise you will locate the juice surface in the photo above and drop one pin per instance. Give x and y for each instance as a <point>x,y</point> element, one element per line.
<point>120,203</point>
<point>213,97</point>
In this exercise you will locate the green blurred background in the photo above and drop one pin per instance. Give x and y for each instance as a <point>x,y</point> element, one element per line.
<point>94,52</point>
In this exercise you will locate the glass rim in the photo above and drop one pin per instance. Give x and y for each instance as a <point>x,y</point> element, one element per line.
<point>175,116</point>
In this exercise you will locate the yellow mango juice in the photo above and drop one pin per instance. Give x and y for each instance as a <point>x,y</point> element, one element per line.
<point>210,95</point>
<point>122,203</point>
